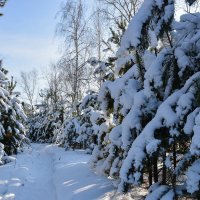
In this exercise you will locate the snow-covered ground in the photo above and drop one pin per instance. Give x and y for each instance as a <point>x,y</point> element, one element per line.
<point>47,172</point>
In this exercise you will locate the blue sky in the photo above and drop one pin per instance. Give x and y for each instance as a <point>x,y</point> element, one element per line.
<point>27,34</point>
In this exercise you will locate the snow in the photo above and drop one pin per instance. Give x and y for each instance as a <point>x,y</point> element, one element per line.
<point>115,134</point>
<point>168,163</point>
<point>169,195</point>
<point>154,72</point>
<point>193,177</point>
<point>157,193</point>
<point>153,39</point>
<point>132,34</point>
<point>188,128</point>
<point>48,172</point>
<point>195,145</point>
<point>30,177</point>
<point>152,146</point>
<point>123,60</point>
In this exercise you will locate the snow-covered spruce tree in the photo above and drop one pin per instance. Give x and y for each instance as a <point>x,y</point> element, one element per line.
<point>34,124</point>
<point>102,124</point>
<point>103,118</point>
<point>131,108</point>
<point>115,97</point>
<point>77,130</point>
<point>45,124</point>
<point>87,107</point>
<point>69,131</point>
<point>173,79</point>
<point>140,41</point>
<point>69,134</point>
<point>12,131</point>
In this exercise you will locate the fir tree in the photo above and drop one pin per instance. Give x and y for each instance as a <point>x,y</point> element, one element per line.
<point>45,124</point>
<point>12,134</point>
<point>87,107</point>
<point>171,80</point>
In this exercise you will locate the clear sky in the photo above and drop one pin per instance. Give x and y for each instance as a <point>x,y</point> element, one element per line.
<point>27,32</point>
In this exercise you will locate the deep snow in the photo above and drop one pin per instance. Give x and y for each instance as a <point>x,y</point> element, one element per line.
<point>47,172</point>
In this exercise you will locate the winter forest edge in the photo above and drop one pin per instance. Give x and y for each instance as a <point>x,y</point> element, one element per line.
<point>128,96</point>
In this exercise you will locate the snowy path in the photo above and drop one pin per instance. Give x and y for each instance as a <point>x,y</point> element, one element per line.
<point>46,172</point>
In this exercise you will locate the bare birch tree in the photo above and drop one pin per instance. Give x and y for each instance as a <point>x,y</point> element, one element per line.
<point>54,87</point>
<point>118,14</point>
<point>125,9</point>
<point>28,84</point>
<point>75,70</point>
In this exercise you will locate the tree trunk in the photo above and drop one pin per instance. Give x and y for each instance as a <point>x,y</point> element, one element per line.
<point>149,167</point>
<point>155,169</point>
<point>164,170</point>
<point>174,162</point>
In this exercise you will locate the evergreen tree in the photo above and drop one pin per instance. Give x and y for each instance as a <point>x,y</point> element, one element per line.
<point>125,97</point>
<point>69,133</point>
<point>110,114</point>
<point>12,117</point>
<point>171,81</point>
<point>87,107</point>
<point>153,100</point>
<point>45,124</point>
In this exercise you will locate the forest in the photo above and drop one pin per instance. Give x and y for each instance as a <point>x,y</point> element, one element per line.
<point>125,93</point>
